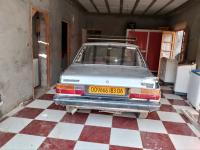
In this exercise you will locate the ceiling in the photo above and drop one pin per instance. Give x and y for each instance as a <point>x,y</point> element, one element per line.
<point>131,7</point>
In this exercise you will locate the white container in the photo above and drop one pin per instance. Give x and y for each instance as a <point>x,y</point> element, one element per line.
<point>194,89</point>
<point>183,78</point>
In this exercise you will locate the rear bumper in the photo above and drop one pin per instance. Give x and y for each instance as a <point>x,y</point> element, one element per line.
<point>107,103</point>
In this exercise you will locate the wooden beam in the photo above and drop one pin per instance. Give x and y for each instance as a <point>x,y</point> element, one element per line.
<point>121,6</point>
<point>150,5</point>
<point>157,12</point>
<point>135,6</point>
<point>181,7</point>
<point>97,10</point>
<point>107,6</point>
<point>77,3</point>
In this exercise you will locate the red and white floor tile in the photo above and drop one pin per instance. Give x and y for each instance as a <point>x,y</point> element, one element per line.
<point>43,125</point>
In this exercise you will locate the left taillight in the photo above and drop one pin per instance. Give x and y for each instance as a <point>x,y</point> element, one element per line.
<point>144,93</point>
<point>70,89</point>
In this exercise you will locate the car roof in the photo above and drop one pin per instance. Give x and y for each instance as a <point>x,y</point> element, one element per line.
<point>110,44</point>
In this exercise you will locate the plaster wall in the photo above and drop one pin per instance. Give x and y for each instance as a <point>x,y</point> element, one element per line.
<point>16,79</point>
<point>63,10</point>
<point>15,50</point>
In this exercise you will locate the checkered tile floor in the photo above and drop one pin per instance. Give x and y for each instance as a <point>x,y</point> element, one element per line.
<point>43,125</point>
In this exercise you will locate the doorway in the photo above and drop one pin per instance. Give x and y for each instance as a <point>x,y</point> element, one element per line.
<point>64,44</point>
<point>40,48</point>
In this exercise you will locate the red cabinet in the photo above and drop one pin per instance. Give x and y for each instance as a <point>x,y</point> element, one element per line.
<point>149,42</point>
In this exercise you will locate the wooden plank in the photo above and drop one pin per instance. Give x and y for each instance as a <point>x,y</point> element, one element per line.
<point>135,6</point>
<point>157,12</point>
<point>107,6</point>
<point>97,10</point>
<point>150,5</point>
<point>121,6</point>
<point>183,6</point>
<point>77,3</point>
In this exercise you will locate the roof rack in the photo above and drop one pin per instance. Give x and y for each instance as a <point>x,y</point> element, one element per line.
<point>106,38</point>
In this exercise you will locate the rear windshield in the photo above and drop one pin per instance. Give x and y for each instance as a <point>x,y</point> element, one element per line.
<point>110,55</point>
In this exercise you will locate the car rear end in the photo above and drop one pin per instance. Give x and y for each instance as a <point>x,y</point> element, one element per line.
<point>105,87</point>
<point>121,99</point>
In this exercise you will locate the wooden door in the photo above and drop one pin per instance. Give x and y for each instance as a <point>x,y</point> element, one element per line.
<point>141,40</point>
<point>167,46</point>
<point>149,42</point>
<point>154,45</point>
<point>181,43</point>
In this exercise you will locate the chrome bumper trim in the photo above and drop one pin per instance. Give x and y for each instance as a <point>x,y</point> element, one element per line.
<point>105,102</point>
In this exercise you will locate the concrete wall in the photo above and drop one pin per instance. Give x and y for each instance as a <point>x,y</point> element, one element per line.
<point>15,52</point>
<point>190,15</point>
<point>116,25</point>
<point>16,79</point>
<point>67,11</point>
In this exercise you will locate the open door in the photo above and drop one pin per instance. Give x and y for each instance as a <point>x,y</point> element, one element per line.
<point>173,46</point>
<point>180,45</point>
<point>40,48</point>
<point>167,44</point>
<point>64,56</point>
<point>167,47</point>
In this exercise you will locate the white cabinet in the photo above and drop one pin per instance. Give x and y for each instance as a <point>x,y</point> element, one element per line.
<point>168,70</point>
<point>183,77</point>
<point>194,89</point>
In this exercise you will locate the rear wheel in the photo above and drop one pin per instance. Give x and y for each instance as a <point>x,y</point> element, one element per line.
<point>142,115</point>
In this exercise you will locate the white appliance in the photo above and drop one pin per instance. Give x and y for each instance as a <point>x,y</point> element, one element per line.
<point>194,89</point>
<point>36,72</point>
<point>167,71</point>
<point>182,78</point>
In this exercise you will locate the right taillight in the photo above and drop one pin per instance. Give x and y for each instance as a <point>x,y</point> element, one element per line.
<point>70,89</point>
<point>145,94</point>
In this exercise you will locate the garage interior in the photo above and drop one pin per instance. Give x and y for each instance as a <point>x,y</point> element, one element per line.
<point>38,41</point>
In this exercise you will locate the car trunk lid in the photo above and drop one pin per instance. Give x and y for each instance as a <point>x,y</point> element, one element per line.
<point>106,75</point>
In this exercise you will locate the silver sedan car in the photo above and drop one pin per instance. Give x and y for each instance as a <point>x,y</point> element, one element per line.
<point>111,77</point>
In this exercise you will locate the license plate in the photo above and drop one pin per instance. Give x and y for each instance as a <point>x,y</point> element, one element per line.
<point>103,90</point>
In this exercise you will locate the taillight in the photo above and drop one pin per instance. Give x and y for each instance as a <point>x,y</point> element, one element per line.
<point>70,89</point>
<point>146,94</point>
